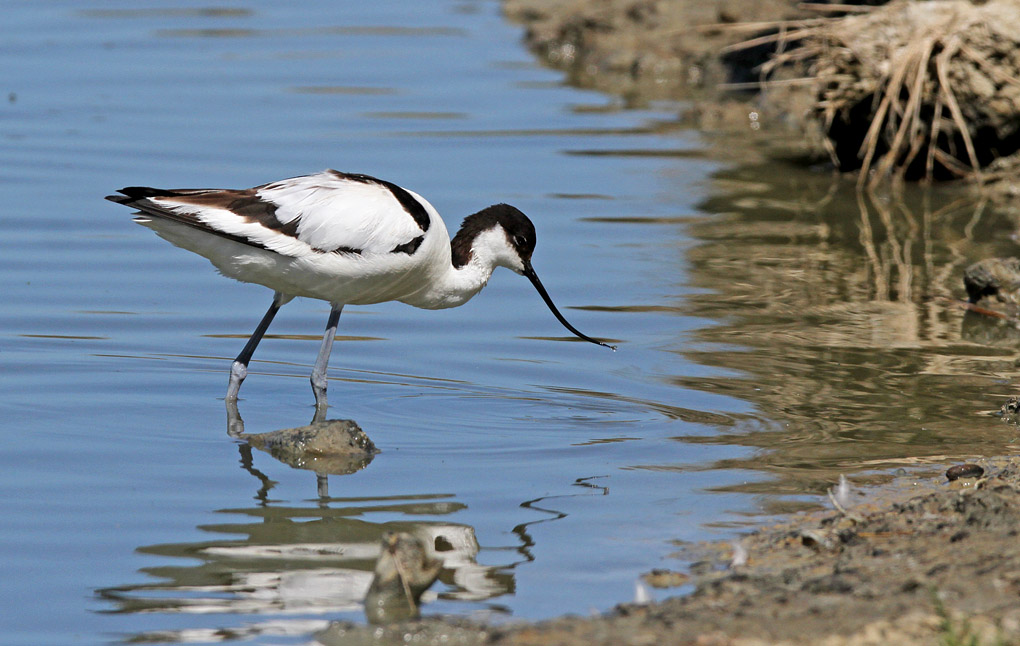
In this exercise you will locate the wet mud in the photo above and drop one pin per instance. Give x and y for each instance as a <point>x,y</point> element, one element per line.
<point>645,49</point>
<point>916,561</point>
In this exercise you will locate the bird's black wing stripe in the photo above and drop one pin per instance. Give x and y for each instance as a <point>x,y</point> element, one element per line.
<point>411,205</point>
<point>135,198</point>
<point>409,247</point>
<point>244,203</point>
<point>347,250</point>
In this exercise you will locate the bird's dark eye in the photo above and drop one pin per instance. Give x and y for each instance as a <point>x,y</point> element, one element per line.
<point>519,241</point>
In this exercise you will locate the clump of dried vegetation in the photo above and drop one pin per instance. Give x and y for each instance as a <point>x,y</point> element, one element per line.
<point>912,89</point>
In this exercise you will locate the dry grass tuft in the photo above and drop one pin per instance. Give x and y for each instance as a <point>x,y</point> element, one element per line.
<point>912,89</point>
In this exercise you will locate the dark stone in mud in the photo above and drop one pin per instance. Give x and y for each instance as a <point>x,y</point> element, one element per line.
<point>964,471</point>
<point>332,446</point>
<point>998,277</point>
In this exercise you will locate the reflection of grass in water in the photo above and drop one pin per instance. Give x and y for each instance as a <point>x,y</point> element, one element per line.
<point>833,313</point>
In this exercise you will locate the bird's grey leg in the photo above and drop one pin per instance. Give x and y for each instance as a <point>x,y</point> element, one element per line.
<point>239,369</point>
<point>235,425</point>
<point>322,361</point>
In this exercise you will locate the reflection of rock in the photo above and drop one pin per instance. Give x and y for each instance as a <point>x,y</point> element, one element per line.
<point>998,277</point>
<point>403,572</point>
<point>989,330</point>
<point>332,446</point>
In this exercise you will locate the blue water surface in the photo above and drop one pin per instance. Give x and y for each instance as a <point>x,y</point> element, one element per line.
<point>128,512</point>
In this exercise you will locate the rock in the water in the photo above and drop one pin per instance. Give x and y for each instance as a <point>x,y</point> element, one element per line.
<point>998,277</point>
<point>332,446</point>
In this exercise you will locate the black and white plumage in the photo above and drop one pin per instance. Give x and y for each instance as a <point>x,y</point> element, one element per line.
<point>345,238</point>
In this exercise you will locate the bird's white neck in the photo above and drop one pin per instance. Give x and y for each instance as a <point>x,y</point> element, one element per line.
<point>452,286</point>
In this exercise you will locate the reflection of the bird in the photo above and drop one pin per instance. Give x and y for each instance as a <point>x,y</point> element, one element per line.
<point>297,567</point>
<point>403,573</point>
<point>316,560</point>
<point>527,542</point>
<point>301,561</point>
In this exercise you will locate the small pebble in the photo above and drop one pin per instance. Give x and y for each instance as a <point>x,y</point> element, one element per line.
<point>964,471</point>
<point>816,540</point>
<point>665,578</point>
<point>1011,407</point>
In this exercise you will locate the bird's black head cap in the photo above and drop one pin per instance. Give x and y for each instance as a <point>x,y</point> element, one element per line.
<point>520,232</point>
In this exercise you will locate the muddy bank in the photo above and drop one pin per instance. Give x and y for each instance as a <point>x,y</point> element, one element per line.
<point>904,90</point>
<point>643,49</point>
<point>653,49</point>
<point>908,563</point>
<point>647,50</point>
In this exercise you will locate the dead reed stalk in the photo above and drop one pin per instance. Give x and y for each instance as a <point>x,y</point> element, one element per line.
<point>912,89</point>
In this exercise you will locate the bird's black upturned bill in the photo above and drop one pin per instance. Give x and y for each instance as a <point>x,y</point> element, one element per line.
<point>533,277</point>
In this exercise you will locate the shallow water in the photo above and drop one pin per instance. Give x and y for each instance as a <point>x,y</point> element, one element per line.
<point>774,331</point>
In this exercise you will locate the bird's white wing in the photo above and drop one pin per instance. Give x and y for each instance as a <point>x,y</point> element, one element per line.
<point>328,212</point>
<point>333,210</point>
